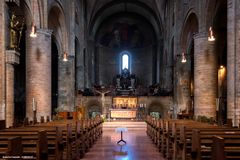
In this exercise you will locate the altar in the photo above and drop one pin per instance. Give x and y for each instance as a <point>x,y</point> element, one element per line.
<point>123,113</point>
<point>124,107</point>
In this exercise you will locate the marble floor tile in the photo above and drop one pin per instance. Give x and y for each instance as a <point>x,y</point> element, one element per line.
<point>138,147</point>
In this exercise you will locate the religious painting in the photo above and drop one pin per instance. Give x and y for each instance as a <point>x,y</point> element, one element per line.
<point>123,35</point>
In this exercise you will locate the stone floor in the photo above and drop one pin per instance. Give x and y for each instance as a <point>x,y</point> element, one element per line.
<point>138,146</point>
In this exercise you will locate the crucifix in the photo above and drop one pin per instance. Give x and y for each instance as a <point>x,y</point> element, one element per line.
<point>102,93</point>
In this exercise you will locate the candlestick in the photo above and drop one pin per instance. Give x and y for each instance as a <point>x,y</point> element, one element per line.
<point>33,105</point>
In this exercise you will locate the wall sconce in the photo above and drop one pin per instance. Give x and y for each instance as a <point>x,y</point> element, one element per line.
<point>65,56</point>
<point>184,60</point>
<point>211,36</point>
<point>33,33</point>
<point>221,74</point>
<point>183,57</point>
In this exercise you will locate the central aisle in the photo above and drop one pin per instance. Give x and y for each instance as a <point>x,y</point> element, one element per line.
<point>139,146</point>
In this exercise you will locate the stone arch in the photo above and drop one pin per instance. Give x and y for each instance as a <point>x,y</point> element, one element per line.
<point>34,12</point>
<point>219,26</point>
<point>190,28</point>
<point>157,107</point>
<point>56,22</point>
<point>118,6</point>
<point>54,68</point>
<point>186,78</point>
<point>26,6</point>
<point>132,26</point>
<point>93,107</point>
<point>211,7</point>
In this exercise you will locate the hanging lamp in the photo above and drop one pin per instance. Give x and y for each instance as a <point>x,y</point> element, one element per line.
<point>184,60</point>
<point>211,36</point>
<point>33,33</point>
<point>65,56</point>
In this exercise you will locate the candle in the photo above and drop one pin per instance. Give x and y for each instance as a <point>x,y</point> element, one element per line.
<point>33,105</point>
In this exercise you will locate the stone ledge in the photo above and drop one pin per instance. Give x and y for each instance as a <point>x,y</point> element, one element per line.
<point>12,57</point>
<point>16,2</point>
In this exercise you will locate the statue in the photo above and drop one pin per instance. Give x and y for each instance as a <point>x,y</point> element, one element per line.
<point>118,81</point>
<point>15,32</point>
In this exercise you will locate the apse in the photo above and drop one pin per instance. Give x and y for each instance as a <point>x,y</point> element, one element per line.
<point>125,33</point>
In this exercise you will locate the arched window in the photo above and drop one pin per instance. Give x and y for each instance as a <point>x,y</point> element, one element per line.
<point>125,61</point>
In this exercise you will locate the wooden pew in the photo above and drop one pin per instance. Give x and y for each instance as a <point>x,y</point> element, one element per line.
<point>222,152</point>
<point>217,150</point>
<point>12,149</point>
<point>186,139</point>
<point>175,140</point>
<point>180,137</point>
<point>82,136</point>
<point>70,133</point>
<point>66,136</point>
<point>2,124</point>
<point>9,150</point>
<point>169,135</point>
<point>33,146</point>
<point>203,144</point>
<point>32,136</point>
<point>184,142</point>
<point>77,138</point>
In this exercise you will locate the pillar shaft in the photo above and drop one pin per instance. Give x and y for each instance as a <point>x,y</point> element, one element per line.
<point>9,95</point>
<point>38,74</point>
<point>12,57</point>
<point>233,62</point>
<point>205,77</point>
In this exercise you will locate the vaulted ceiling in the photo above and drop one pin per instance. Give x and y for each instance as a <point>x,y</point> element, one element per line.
<point>100,10</point>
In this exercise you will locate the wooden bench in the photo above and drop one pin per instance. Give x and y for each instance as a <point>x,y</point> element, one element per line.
<point>81,137</point>
<point>179,136</point>
<point>2,124</point>
<point>8,148</point>
<point>176,141</point>
<point>184,139</point>
<point>220,151</point>
<point>34,146</point>
<point>30,137</point>
<point>203,144</point>
<point>67,139</point>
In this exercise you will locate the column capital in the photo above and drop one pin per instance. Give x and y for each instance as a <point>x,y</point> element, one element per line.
<point>211,43</point>
<point>71,57</point>
<point>41,31</point>
<point>45,31</point>
<point>12,57</point>
<point>201,35</point>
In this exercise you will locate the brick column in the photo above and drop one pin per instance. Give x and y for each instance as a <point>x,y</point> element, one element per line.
<point>38,74</point>
<point>233,62</point>
<point>205,77</point>
<point>12,57</point>
<point>2,60</point>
